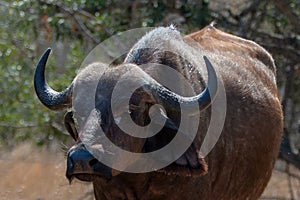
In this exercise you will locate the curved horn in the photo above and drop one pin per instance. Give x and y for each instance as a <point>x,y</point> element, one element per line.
<point>204,99</point>
<point>49,97</point>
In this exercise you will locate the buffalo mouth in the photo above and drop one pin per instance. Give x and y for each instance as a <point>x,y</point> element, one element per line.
<point>89,176</point>
<point>84,176</point>
<point>82,165</point>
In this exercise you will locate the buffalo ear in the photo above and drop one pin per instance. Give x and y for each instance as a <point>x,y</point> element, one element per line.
<point>194,161</point>
<point>192,157</point>
<point>70,125</point>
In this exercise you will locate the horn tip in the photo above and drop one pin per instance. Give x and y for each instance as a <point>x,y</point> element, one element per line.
<point>48,50</point>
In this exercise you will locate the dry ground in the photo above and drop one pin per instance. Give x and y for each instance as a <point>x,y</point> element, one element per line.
<point>38,174</point>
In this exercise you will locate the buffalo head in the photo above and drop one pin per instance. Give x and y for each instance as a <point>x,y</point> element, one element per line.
<point>80,162</point>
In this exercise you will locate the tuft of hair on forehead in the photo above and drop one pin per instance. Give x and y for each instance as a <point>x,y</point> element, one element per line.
<point>173,27</point>
<point>213,23</point>
<point>159,36</point>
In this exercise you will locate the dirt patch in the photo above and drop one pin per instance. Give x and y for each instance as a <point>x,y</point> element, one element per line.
<point>284,183</point>
<point>38,173</point>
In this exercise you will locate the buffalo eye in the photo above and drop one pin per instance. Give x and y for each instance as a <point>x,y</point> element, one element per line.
<point>70,125</point>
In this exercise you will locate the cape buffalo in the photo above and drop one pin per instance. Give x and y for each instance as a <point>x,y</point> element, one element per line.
<point>240,164</point>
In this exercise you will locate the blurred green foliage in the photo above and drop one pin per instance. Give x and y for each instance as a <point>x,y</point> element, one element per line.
<point>28,27</point>
<point>73,28</point>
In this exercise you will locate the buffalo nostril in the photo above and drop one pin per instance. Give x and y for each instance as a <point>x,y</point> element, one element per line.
<point>93,162</point>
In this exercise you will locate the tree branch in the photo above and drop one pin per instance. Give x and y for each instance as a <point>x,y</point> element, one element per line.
<point>286,152</point>
<point>84,30</point>
<point>284,7</point>
<point>277,44</point>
